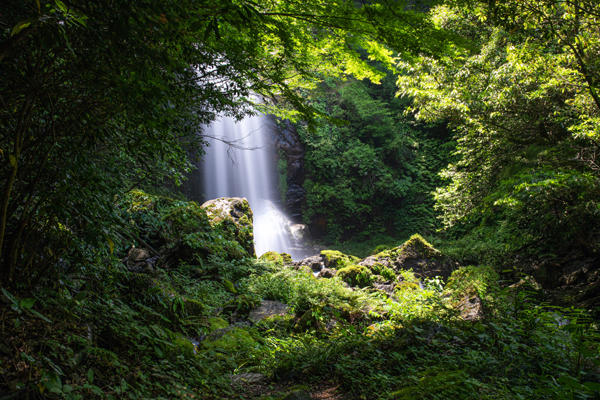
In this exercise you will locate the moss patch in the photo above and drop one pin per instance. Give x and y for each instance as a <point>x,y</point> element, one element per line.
<point>276,258</point>
<point>337,259</point>
<point>356,275</point>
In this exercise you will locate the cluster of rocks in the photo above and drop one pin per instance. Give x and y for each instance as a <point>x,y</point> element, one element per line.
<point>382,271</point>
<point>415,254</point>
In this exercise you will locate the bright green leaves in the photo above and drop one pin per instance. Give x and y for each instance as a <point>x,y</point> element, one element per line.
<point>19,27</point>
<point>523,106</point>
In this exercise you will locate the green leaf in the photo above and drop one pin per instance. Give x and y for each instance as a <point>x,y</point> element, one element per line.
<point>9,296</point>
<point>90,375</point>
<point>26,303</point>
<point>593,386</point>
<point>229,286</point>
<point>19,27</point>
<point>40,316</point>
<point>61,6</point>
<point>51,382</point>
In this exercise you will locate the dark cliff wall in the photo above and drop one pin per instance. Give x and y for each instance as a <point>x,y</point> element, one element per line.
<point>289,144</point>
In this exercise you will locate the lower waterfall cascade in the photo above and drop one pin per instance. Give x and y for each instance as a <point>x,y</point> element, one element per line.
<point>241,161</point>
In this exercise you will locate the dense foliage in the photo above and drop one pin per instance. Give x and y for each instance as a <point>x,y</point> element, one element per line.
<point>182,329</point>
<point>369,169</point>
<point>523,103</point>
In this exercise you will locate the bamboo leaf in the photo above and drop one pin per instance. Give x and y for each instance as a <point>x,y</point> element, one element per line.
<point>19,27</point>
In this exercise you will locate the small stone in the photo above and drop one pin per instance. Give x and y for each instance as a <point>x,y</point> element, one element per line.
<point>471,308</point>
<point>139,260</point>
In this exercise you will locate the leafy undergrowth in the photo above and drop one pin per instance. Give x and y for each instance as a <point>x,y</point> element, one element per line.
<point>181,330</point>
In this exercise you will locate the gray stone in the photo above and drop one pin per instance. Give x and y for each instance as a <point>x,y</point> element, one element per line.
<point>471,308</point>
<point>372,260</point>
<point>267,308</point>
<point>247,378</point>
<point>327,273</point>
<point>386,287</point>
<point>139,260</point>
<point>314,262</point>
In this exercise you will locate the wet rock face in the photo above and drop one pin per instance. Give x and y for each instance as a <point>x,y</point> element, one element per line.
<point>289,142</point>
<point>237,211</point>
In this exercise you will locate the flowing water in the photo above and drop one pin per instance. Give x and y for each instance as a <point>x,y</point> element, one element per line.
<point>241,162</point>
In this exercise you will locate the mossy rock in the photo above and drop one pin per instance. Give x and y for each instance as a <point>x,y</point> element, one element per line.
<point>184,232</point>
<point>277,324</point>
<point>356,275</point>
<point>385,272</point>
<point>232,341</point>
<point>194,307</point>
<point>216,323</point>
<point>404,285</point>
<point>337,259</point>
<point>183,345</point>
<point>415,254</point>
<point>472,280</point>
<point>279,259</point>
<point>235,214</point>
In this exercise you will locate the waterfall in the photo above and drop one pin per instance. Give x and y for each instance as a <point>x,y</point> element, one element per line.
<point>241,162</point>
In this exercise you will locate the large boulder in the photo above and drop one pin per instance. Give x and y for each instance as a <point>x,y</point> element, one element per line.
<point>236,212</point>
<point>337,259</point>
<point>415,254</point>
<point>172,231</point>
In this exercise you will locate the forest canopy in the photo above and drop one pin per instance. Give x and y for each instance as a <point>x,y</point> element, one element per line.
<point>99,97</point>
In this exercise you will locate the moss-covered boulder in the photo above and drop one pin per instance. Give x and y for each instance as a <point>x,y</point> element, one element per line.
<point>356,275</point>
<point>279,259</point>
<point>169,232</point>
<point>470,289</point>
<point>236,213</point>
<point>415,254</point>
<point>231,341</point>
<point>337,259</point>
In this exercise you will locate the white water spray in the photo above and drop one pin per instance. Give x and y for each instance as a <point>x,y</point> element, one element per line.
<point>240,162</point>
